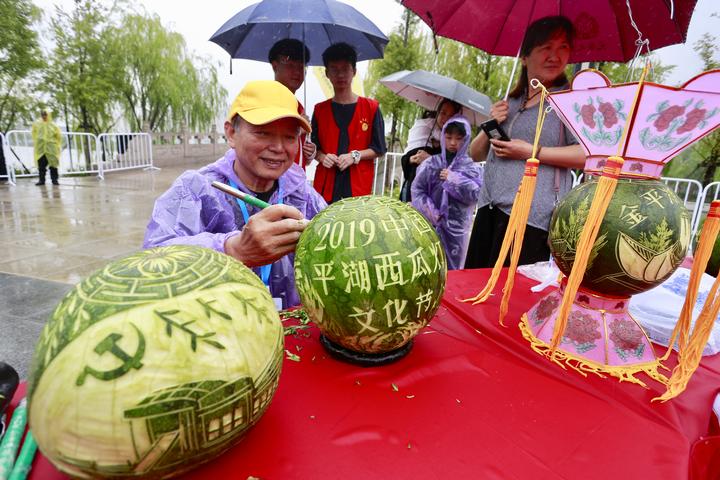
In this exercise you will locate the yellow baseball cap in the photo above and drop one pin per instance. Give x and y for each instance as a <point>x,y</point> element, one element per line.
<point>263,101</point>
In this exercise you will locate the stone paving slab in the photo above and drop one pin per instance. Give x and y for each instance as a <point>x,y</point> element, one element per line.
<point>25,305</point>
<point>51,237</point>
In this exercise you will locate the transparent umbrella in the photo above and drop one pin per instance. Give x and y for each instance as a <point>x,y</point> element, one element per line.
<point>427,89</point>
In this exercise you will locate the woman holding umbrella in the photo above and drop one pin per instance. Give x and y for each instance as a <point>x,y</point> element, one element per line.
<point>544,54</point>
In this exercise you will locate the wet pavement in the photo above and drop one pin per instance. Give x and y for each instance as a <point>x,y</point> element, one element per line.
<point>51,237</point>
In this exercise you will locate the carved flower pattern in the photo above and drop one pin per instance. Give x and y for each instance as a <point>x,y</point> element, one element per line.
<point>156,262</point>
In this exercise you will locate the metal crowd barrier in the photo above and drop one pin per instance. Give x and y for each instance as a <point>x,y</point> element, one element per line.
<point>375,176</point>
<point>391,165</point>
<point>83,152</point>
<point>387,165</point>
<point>396,172</point>
<point>8,165</point>
<point>20,152</point>
<point>77,154</point>
<point>710,193</point>
<point>690,191</point>
<point>123,151</point>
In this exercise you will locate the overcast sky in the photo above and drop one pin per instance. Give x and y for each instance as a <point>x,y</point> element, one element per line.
<point>198,20</point>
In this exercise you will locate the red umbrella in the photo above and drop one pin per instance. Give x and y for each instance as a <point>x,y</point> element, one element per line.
<point>604,28</point>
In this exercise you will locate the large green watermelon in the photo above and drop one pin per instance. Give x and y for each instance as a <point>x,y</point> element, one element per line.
<point>713,265</point>
<point>642,239</point>
<point>370,272</point>
<point>154,364</point>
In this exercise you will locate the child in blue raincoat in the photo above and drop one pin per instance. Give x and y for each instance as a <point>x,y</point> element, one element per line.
<point>446,190</point>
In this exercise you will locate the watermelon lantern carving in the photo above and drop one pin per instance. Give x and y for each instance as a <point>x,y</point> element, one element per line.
<point>645,230</point>
<point>370,272</point>
<point>642,240</point>
<point>155,364</point>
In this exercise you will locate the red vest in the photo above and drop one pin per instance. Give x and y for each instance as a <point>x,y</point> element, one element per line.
<point>299,158</point>
<point>360,135</point>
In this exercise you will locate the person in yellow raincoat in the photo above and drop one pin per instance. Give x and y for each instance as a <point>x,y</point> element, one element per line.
<point>47,140</point>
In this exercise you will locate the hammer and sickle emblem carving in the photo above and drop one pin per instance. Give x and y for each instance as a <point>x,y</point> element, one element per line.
<point>110,344</point>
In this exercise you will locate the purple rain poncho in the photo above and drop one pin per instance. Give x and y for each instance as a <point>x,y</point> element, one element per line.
<point>192,212</point>
<point>449,204</point>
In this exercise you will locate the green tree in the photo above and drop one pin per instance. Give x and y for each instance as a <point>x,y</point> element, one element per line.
<point>707,150</point>
<point>403,52</point>
<point>83,71</point>
<point>621,72</point>
<point>702,160</point>
<point>707,48</point>
<point>208,97</point>
<point>481,71</point>
<point>410,49</point>
<point>163,85</point>
<point>20,59</point>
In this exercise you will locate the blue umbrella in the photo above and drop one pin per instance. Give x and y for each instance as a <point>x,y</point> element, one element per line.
<point>317,23</point>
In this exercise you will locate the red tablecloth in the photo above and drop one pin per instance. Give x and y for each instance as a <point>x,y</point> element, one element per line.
<point>473,401</point>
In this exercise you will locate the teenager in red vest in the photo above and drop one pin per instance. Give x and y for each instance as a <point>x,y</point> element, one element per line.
<point>289,62</point>
<point>349,131</point>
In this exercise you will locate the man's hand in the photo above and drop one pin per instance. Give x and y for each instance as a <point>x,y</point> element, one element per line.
<point>444,174</point>
<point>268,235</point>
<point>419,157</point>
<point>329,160</point>
<point>344,161</point>
<point>514,149</point>
<point>309,151</point>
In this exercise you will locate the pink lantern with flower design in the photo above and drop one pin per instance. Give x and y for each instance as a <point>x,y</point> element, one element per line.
<point>667,120</point>
<point>644,231</point>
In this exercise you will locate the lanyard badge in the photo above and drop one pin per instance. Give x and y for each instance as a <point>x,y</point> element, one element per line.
<point>265,269</point>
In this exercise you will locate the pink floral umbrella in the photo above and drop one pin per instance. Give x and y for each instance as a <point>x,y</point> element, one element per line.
<point>607,30</point>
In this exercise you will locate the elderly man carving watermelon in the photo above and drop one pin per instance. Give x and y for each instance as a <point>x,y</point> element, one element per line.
<point>262,130</point>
